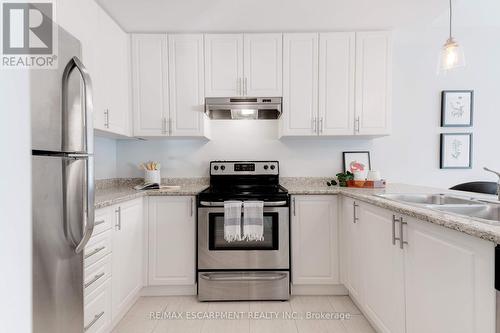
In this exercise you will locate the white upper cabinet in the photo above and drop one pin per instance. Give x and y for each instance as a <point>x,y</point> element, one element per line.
<point>186,78</point>
<point>263,65</point>
<point>223,65</point>
<point>243,65</point>
<point>373,83</point>
<point>150,84</point>
<point>169,96</point>
<point>300,84</point>
<point>343,88</point>
<point>106,55</point>
<point>314,233</point>
<point>336,83</point>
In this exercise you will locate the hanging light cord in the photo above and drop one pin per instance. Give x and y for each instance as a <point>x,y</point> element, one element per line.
<point>451,17</point>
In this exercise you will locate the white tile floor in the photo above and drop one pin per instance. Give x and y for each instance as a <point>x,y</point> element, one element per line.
<point>138,319</point>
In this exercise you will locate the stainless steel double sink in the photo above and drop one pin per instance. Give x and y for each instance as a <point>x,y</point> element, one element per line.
<point>475,208</point>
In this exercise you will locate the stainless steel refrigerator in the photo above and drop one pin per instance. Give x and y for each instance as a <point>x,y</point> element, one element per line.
<point>62,187</point>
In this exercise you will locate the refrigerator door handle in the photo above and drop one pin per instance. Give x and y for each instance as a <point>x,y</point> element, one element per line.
<point>87,216</point>
<point>88,133</point>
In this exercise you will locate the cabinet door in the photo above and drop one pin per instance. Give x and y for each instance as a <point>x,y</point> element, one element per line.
<point>114,58</point>
<point>186,82</point>
<point>300,84</point>
<point>384,300</point>
<point>127,255</point>
<point>263,62</point>
<point>449,281</point>
<point>314,240</point>
<point>355,249</point>
<point>336,83</point>
<point>223,65</point>
<point>373,83</point>
<point>150,84</point>
<point>171,241</point>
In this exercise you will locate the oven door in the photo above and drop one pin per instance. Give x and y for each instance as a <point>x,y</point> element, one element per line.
<point>271,253</point>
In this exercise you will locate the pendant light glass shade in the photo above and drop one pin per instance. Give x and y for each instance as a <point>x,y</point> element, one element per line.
<point>452,55</point>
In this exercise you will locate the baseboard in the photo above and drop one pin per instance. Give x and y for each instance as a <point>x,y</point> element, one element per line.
<point>119,316</point>
<point>169,290</point>
<point>317,290</point>
<point>363,311</point>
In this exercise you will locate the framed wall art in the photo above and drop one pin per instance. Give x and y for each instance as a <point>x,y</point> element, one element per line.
<point>456,151</point>
<point>357,161</point>
<point>457,108</point>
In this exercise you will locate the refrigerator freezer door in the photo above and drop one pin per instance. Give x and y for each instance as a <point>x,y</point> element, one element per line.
<point>57,268</point>
<point>46,92</point>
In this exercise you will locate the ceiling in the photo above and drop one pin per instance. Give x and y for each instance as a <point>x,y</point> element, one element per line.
<point>268,15</point>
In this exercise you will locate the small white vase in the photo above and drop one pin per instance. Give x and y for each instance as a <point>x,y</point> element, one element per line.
<point>152,176</point>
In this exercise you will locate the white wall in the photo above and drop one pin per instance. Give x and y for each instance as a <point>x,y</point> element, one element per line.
<point>105,158</point>
<point>410,154</point>
<point>15,202</point>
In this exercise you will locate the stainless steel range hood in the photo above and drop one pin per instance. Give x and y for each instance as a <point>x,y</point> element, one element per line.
<point>243,107</point>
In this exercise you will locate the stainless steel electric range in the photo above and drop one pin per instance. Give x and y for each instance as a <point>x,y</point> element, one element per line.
<point>244,270</point>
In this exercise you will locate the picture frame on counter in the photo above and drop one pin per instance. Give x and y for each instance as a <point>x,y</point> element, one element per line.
<point>357,161</point>
<point>457,108</point>
<point>456,151</point>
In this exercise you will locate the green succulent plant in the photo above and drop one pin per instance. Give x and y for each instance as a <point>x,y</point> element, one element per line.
<point>342,178</point>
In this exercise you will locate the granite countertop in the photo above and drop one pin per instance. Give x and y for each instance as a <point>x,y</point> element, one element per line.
<point>111,192</point>
<point>116,191</point>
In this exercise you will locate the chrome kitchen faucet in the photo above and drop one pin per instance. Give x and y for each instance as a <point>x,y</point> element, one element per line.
<point>498,183</point>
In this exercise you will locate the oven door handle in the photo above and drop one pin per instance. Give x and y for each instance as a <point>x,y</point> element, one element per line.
<point>243,277</point>
<point>221,203</point>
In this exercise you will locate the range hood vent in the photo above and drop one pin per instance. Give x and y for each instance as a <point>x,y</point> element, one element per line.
<point>236,108</point>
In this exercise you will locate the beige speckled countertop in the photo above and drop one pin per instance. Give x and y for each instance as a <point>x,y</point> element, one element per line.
<point>123,191</point>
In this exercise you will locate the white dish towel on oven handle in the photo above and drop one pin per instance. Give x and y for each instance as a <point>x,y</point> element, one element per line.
<point>232,221</point>
<point>253,220</point>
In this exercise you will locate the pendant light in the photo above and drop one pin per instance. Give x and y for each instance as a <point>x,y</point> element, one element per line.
<point>452,55</point>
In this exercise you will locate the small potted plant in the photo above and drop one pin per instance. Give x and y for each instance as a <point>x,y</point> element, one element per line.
<point>342,178</point>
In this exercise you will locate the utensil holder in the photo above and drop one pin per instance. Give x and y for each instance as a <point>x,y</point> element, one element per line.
<point>152,176</point>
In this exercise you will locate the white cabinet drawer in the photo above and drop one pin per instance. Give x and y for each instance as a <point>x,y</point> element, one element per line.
<point>103,220</point>
<point>97,248</point>
<point>97,311</point>
<point>96,274</point>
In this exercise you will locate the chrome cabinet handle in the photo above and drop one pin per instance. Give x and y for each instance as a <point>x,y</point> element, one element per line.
<point>394,238</point>
<point>355,218</point>
<point>242,277</point>
<point>96,318</point>
<point>164,125</point>
<point>402,242</point>
<point>96,223</point>
<point>321,125</point>
<point>314,125</point>
<point>106,118</point>
<point>118,223</point>
<point>294,207</point>
<point>356,124</point>
<point>221,204</point>
<point>245,90</point>
<point>96,277</point>
<point>192,204</point>
<point>95,251</point>
<point>170,125</point>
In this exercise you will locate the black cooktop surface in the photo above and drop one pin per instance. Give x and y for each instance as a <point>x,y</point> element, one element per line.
<point>244,192</point>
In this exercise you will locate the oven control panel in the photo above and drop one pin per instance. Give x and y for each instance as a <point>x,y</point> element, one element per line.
<point>244,168</point>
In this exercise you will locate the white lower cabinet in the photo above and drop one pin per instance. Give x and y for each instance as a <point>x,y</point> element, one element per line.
<point>449,281</point>
<point>314,230</point>
<point>171,248</point>
<point>127,259</point>
<point>438,280</point>
<point>113,265</point>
